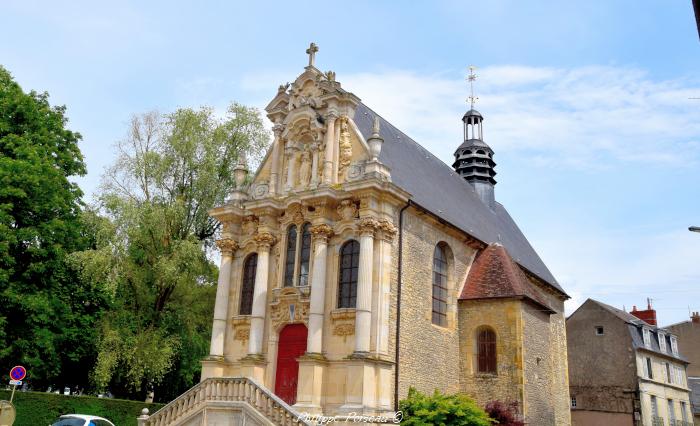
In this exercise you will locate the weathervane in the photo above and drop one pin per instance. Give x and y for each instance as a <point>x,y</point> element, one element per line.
<point>311,51</point>
<point>471,77</point>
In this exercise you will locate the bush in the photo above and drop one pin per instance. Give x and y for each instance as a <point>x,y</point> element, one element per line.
<point>441,410</point>
<point>41,409</point>
<point>504,414</point>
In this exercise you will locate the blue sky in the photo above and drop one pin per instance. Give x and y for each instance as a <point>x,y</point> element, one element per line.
<point>586,104</point>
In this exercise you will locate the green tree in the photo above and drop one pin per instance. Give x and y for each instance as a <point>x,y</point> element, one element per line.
<point>156,241</point>
<point>441,410</point>
<point>46,316</point>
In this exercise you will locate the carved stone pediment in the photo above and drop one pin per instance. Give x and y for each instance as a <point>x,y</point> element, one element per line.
<point>290,305</point>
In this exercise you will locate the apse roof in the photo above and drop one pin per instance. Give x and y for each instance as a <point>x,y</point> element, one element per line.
<point>495,275</point>
<point>437,188</point>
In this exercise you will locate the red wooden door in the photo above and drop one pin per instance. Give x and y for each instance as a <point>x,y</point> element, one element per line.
<point>292,345</point>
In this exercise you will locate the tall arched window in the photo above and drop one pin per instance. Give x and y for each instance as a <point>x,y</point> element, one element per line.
<point>486,350</point>
<point>291,256</point>
<point>347,279</point>
<point>305,254</point>
<point>440,286</point>
<point>298,253</point>
<point>248,285</point>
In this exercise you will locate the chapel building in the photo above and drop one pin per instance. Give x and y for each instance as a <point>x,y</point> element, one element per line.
<point>356,264</point>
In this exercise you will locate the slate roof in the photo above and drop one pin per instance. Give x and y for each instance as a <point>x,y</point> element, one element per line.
<point>624,316</point>
<point>694,385</point>
<point>437,188</point>
<point>495,275</point>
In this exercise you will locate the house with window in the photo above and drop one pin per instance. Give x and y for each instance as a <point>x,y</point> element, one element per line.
<point>624,370</point>
<point>688,333</point>
<point>355,264</point>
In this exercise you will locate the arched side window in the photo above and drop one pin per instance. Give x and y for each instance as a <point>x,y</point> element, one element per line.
<point>305,254</point>
<point>248,285</point>
<point>440,285</point>
<point>486,350</point>
<point>347,279</point>
<point>290,258</point>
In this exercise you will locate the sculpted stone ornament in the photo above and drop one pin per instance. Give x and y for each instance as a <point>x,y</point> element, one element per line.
<point>321,232</point>
<point>347,210</point>
<point>242,334</point>
<point>368,225</point>
<point>296,214</point>
<point>345,145</point>
<point>305,169</point>
<point>227,246</point>
<point>344,330</point>
<point>388,230</point>
<point>264,240</point>
<point>250,225</point>
<point>355,171</point>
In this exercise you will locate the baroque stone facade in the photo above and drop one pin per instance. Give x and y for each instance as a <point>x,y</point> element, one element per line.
<point>348,273</point>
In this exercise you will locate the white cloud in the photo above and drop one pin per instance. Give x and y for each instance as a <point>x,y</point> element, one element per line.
<point>587,117</point>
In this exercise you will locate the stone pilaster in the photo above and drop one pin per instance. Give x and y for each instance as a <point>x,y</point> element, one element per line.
<point>276,153</point>
<point>331,118</point>
<point>363,309</point>
<point>227,247</point>
<point>386,233</point>
<point>320,233</point>
<point>264,241</point>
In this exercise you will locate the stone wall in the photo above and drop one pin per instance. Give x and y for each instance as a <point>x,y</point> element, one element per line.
<point>504,316</point>
<point>688,334</point>
<point>600,386</point>
<point>429,354</point>
<point>539,366</point>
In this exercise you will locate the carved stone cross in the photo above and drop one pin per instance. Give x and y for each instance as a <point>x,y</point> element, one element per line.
<point>311,51</point>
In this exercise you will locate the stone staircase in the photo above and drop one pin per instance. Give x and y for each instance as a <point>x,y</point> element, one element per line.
<point>225,401</point>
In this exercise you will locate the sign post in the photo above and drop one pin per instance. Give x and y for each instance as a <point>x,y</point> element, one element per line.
<point>16,375</point>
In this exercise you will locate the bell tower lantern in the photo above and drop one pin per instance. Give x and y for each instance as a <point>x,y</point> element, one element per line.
<point>474,158</point>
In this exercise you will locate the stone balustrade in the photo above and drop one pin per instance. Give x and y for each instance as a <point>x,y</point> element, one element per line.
<point>237,390</point>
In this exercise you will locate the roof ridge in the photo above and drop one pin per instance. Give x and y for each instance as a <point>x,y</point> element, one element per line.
<point>435,157</point>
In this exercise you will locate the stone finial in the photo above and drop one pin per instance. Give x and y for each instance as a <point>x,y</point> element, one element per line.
<point>240,172</point>
<point>375,141</point>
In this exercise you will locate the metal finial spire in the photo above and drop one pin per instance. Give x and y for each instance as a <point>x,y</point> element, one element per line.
<point>471,77</point>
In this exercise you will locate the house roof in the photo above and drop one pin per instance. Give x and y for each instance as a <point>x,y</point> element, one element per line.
<point>437,188</point>
<point>694,385</point>
<point>495,275</point>
<point>635,326</point>
<point>624,316</point>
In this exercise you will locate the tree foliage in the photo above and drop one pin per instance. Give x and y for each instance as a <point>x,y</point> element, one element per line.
<point>441,410</point>
<point>46,316</point>
<point>154,236</point>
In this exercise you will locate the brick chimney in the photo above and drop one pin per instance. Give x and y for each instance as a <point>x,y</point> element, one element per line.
<point>695,317</point>
<point>648,315</point>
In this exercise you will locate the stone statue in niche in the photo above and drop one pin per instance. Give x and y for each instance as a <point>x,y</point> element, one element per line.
<point>345,147</point>
<point>305,169</point>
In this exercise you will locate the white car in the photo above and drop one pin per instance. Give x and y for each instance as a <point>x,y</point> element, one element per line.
<point>81,420</point>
